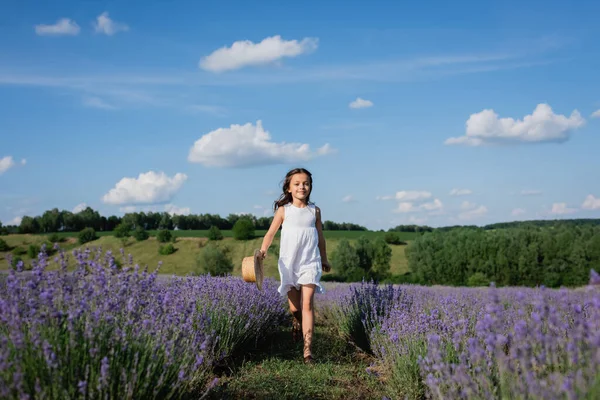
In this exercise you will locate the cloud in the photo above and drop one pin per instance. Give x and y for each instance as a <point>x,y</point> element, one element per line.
<point>541,126</point>
<point>408,206</point>
<point>473,213</point>
<point>174,210</point>
<point>596,114</point>
<point>360,103</point>
<point>79,207</point>
<point>467,205</point>
<point>460,192</point>
<point>208,109</point>
<point>248,145</point>
<point>561,208</point>
<point>63,26</point>
<point>432,206</point>
<point>6,163</point>
<point>107,26</point>
<point>405,207</point>
<point>384,197</point>
<point>591,203</point>
<point>15,221</point>
<point>23,161</point>
<point>412,195</point>
<point>150,187</point>
<point>517,211</point>
<point>349,199</point>
<point>244,53</point>
<point>96,102</point>
<point>530,192</point>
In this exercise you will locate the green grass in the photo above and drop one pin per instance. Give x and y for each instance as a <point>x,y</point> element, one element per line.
<point>275,370</point>
<point>183,261</point>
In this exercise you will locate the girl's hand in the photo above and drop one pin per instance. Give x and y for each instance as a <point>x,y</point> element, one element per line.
<point>263,254</point>
<point>326,266</point>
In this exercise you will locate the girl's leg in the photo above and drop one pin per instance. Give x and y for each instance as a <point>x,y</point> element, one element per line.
<point>308,317</point>
<point>296,310</point>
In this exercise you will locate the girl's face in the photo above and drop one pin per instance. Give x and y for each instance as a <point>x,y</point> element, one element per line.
<point>299,186</point>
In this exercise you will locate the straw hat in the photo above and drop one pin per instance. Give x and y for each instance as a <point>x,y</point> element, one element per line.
<point>252,269</point>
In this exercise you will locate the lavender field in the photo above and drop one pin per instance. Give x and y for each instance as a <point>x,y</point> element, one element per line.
<point>112,330</point>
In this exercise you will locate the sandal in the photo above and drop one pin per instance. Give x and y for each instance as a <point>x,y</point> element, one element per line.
<point>296,330</point>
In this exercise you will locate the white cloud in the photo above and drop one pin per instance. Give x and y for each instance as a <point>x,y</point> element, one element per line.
<point>561,208</point>
<point>23,161</point>
<point>541,126</point>
<point>79,207</point>
<point>460,192</point>
<point>591,203</point>
<point>384,197</point>
<point>473,213</point>
<point>96,102</point>
<point>517,211</point>
<point>348,199</point>
<point>6,163</point>
<point>360,103</point>
<point>107,26</point>
<point>416,220</point>
<point>245,53</point>
<point>148,188</point>
<point>174,210</point>
<point>405,207</point>
<point>530,192</point>
<point>432,206</point>
<point>63,26</point>
<point>128,209</point>
<point>248,145</point>
<point>15,221</point>
<point>412,195</point>
<point>208,109</point>
<point>596,114</point>
<point>467,205</point>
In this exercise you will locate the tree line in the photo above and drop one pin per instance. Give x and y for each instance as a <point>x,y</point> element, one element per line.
<point>553,256</point>
<point>55,220</point>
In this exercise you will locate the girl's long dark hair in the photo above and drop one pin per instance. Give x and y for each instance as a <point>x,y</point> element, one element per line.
<point>286,197</point>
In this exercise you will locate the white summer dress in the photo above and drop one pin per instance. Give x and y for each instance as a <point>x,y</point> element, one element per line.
<point>299,255</point>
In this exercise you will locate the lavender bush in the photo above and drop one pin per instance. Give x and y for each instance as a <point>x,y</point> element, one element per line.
<point>485,343</point>
<point>105,331</point>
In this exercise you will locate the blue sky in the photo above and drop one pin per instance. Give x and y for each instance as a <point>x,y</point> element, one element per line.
<point>430,113</point>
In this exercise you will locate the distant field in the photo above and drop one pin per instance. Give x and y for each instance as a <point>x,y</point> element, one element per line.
<point>183,261</point>
<point>204,234</point>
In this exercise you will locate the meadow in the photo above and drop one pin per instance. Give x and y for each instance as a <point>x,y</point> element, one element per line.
<point>189,246</point>
<point>108,331</point>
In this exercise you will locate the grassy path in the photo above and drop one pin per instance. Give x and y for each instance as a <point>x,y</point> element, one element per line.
<point>275,370</point>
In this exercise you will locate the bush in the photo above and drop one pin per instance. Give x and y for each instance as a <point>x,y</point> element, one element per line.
<point>164,236</point>
<point>33,250</point>
<point>393,238</point>
<point>19,251</point>
<point>243,229</point>
<point>214,261</point>
<point>214,233</point>
<point>4,246</point>
<point>166,249</point>
<point>478,279</point>
<point>140,234</point>
<point>123,230</point>
<point>55,238</point>
<point>87,235</point>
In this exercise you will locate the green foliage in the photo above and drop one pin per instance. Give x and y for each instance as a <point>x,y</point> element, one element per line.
<point>243,229</point>
<point>33,250</point>
<point>164,236</point>
<point>393,238</point>
<point>368,259</point>
<point>123,230</point>
<point>55,238</point>
<point>214,233</point>
<point>140,234</point>
<point>87,235</point>
<point>166,249</point>
<point>4,246</point>
<point>214,261</point>
<point>19,251</point>
<point>527,256</point>
<point>478,279</point>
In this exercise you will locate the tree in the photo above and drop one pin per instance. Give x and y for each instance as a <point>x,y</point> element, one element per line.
<point>382,257</point>
<point>164,235</point>
<point>243,229</point>
<point>123,230</point>
<point>87,235</point>
<point>140,234</point>
<point>214,233</point>
<point>214,261</point>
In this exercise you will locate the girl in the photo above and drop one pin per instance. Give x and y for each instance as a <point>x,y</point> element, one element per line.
<point>302,254</point>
